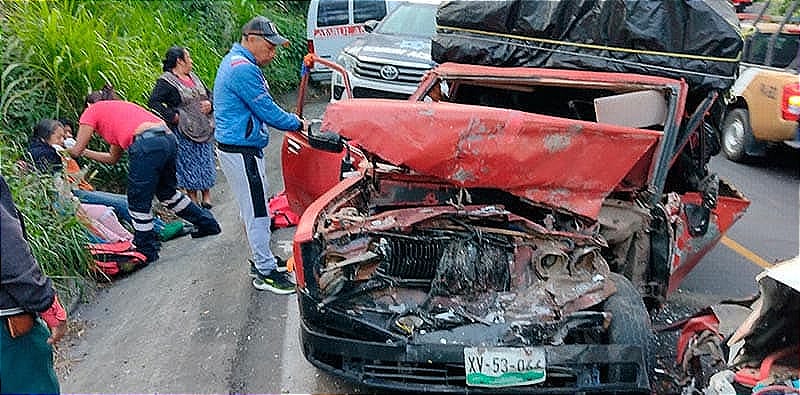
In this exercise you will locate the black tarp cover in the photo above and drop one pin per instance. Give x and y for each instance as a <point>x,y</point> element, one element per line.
<point>695,40</point>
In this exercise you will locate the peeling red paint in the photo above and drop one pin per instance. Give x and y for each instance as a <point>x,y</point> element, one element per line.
<point>529,155</point>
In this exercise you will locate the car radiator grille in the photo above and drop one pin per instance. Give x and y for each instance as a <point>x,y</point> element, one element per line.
<point>433,373</point>
<point>413,258</point>
<point>372,70</point>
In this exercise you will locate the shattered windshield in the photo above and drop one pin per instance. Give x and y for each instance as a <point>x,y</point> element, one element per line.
<point>410,19</point>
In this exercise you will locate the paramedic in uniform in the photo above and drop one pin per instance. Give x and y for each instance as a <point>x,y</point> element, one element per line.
<point>152,150</point>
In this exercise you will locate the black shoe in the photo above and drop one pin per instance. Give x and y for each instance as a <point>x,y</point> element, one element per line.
<point>275,282</point>
<point>150,258</point>
<point>206,205</point>
<point>206,232</point>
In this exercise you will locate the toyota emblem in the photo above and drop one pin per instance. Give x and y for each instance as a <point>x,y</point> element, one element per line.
<point>389,72</point>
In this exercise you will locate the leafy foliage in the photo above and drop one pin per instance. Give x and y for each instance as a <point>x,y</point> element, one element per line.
<point>62,50</point>
<point>56,51</point>
<point>55,236</point>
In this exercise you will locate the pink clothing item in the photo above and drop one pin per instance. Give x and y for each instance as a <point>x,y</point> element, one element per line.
<point>116,120</point>
<point>187,82</point>
<point>104,224</point>
<point>55,315</point>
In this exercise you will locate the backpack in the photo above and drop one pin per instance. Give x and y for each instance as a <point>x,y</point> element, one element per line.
<point>112,259</point>
<point>281,216</point>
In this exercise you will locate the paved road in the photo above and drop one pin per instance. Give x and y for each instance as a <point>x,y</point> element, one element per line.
<point>192,323</point>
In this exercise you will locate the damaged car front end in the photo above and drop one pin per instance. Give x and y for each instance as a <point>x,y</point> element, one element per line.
<point>504,229</point>
<point>436,269</point>
<point>507,248</point>
<point>429,294</point>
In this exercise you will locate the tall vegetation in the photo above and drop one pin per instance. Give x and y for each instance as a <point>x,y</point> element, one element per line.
<point>56,237</point>
<point>57,51</point>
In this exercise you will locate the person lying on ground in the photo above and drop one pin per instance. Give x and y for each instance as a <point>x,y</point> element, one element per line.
<point>49,155</point>
<point>69,127</point>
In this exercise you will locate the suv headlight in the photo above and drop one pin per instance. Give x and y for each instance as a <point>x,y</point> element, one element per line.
<point>347,61</point>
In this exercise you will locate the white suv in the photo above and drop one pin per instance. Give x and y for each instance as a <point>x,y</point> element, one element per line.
<point>390,60</point>
<point>332,24</point>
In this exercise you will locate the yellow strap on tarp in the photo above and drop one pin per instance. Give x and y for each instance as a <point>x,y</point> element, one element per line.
<point>594,46</point>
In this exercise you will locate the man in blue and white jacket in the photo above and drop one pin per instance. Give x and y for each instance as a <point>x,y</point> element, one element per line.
<point>243,109</point>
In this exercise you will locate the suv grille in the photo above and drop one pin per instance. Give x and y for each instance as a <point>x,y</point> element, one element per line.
<point>372,70</point>
<point>371,93</point>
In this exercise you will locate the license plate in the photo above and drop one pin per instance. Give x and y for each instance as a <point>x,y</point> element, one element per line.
<point>504,366</point>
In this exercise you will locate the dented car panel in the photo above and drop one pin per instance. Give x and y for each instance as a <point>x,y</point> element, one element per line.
<point>411,287</point>
<point>690,249</point>
<point>475,147</point>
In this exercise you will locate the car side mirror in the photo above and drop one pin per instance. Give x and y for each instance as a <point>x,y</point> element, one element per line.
<point>326,141</point>
<point>370,25</point>
<point>698,217</point>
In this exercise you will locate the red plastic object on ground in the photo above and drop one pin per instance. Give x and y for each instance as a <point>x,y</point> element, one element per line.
<point>750,376</point>
<point>282,216</point>
<point>112,259</point>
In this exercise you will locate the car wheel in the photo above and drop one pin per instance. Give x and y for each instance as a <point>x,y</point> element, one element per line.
<point>735,131</point>
<point>630,324</point>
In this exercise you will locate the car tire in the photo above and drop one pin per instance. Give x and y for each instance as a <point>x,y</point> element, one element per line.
<point>630,324</point>
<point>735,132</point>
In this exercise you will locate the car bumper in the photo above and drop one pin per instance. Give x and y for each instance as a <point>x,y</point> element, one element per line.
<point>437,367</point>
<point>323,75</point>
<point>781,130</point>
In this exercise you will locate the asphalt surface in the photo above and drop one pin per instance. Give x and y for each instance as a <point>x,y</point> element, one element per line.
<point>192,323</point>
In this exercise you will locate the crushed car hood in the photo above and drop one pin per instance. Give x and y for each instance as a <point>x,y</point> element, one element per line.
<point>563,163</point>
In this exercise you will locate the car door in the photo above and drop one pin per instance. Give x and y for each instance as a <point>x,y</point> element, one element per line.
<point>307,172</point>
<point>688,249</point>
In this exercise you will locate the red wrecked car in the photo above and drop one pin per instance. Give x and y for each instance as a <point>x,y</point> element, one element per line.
<point>498,231</point>
<point>513,236</point>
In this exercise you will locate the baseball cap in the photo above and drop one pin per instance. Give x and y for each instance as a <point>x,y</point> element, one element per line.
<point>265,28</point>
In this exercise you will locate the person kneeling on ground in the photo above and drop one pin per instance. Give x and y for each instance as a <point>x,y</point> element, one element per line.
<point>152,149</point>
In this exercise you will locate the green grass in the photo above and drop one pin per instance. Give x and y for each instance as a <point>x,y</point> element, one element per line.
<point>57,51</point>
<point>55,236</point>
